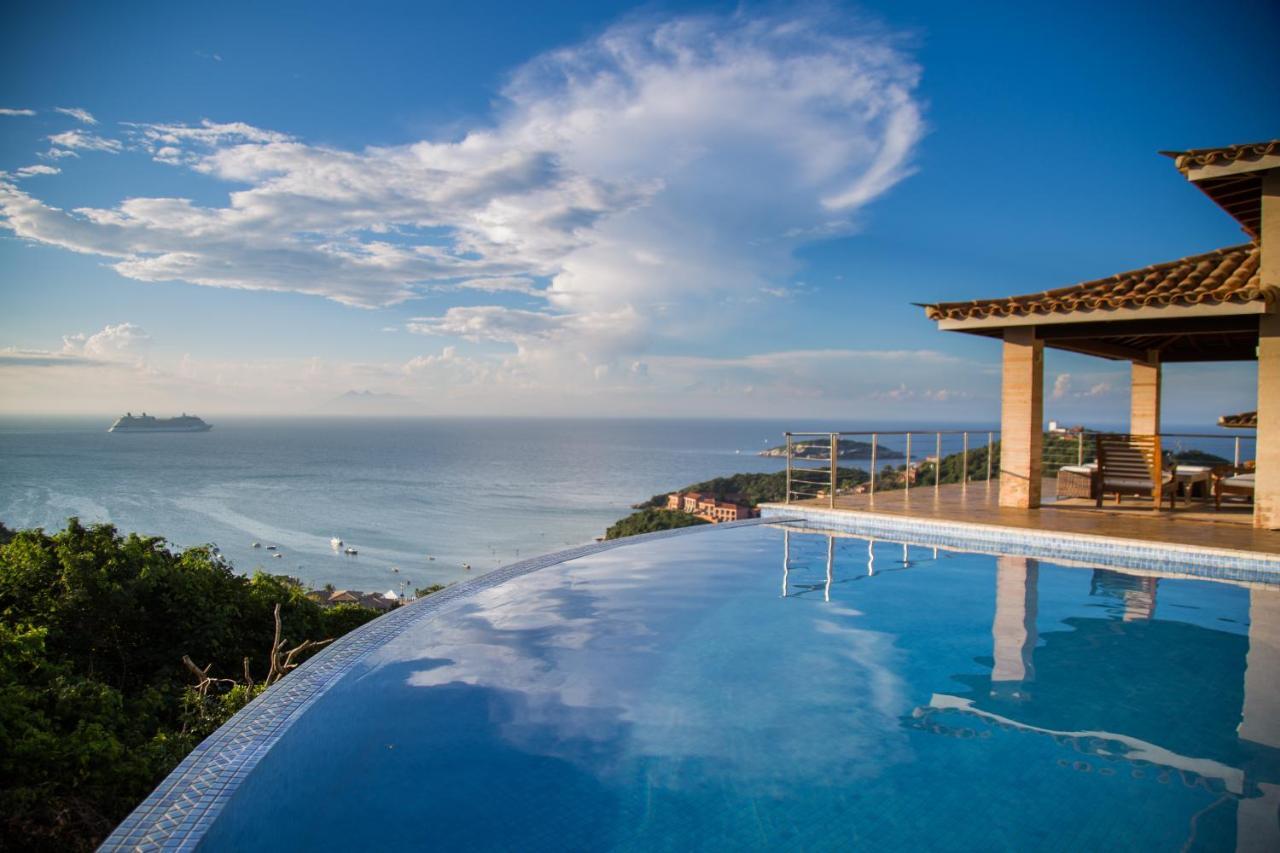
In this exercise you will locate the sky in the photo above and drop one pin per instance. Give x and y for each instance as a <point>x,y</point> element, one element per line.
<point>596,208</point>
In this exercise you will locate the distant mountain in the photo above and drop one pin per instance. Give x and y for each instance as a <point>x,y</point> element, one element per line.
<point>370,403</point>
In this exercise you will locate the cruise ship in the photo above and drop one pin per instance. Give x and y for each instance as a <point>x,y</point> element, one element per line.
<point>148,423</point>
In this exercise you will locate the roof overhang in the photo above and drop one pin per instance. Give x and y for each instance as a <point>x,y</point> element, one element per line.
<point>1232,177</point>
<point>1171,334</point>
<point>1111,315</point>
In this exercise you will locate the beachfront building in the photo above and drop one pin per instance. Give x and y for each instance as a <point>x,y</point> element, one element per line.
<point>708,507</point>
<point>1222,305</point>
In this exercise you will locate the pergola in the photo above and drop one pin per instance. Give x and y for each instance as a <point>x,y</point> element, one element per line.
<point>1222,305</point>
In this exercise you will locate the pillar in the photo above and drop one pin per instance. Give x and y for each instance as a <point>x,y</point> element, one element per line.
<point>1144,396</point>
<point>1021,418</point>
<point>1266,499</point>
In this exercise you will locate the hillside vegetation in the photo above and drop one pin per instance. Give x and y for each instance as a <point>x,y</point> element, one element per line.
<point>96,704</point>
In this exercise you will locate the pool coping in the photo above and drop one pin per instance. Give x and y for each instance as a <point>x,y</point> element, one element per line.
<point>1193,560</point>
<point>182,808</point>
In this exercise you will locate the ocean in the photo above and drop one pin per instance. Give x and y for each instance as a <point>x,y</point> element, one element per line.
<point>418,498</point>
<point>423,496</point>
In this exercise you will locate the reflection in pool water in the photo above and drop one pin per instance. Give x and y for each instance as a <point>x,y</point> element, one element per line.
<point>666,696</point>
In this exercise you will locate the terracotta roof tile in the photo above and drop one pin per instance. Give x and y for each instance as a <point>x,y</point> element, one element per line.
<point>1222,276</point>
<point>1200,157</point>
<point>1243,420</point>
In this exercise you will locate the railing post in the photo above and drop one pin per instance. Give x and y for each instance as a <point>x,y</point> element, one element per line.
<point>937,463</point>
<point>835,441</point>
<point>874,442</point>
<point>906,471</point>
<point>990,441</point>
<point>1080,448</point>
<point>964,461</point>
<point>788,500</point>
<point>1236,463</point>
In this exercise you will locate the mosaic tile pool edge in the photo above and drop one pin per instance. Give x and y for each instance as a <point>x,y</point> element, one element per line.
<point>1218,563</point>
<point>185,804</point>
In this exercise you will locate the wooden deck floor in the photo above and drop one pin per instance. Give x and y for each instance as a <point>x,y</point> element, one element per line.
<point>1197,524</point>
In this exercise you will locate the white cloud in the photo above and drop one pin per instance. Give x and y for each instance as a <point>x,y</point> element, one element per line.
<point>647,174</point>
<point>39,169</point>
<point>80,140</point>
<point>77,113</point>
<point>7,111</point>
<point>1061,386</point>
<point>501,284</point>
<point>121,342</point>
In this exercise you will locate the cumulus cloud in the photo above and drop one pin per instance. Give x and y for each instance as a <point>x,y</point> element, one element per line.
<point>8,111</point>
<point>1063,388</point>
<point>77,113</point>
<point>38,169</point>
<point>634,182</point>
<point>79,140</point>
<point>121,342</point>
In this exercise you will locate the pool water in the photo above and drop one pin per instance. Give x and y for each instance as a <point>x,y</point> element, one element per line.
<point>769,688</point>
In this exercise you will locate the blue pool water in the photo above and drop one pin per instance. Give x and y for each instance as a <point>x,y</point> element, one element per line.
<point>758,688</point>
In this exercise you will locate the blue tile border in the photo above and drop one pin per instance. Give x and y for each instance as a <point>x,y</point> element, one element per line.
<point>181,809</point>
<point>1194,560</point>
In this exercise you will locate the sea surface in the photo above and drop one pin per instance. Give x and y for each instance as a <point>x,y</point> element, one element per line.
<point>418,498</point>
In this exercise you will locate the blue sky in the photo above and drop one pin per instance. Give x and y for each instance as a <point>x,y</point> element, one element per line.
<point>596,208</point>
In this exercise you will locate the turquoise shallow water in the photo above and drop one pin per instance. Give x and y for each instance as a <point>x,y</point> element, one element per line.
<point>755,688</point>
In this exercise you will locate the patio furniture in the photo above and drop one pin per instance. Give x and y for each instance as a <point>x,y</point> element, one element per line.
<point>1233,480</point>
<point>1077,481</point>
<point>1134,465</point>
<point>1194,481</point>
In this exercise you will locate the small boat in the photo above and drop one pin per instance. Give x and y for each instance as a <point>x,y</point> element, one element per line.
<point>395,569</point>
<point>271,547</point>
<point>257,545</point>
<point>278,556</point>
<point>432,559</point>
<point>335,543</point>
<point>351,551</point>
<point>466,566</point>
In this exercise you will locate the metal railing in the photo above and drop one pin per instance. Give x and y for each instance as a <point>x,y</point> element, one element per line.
<point>814,470</point>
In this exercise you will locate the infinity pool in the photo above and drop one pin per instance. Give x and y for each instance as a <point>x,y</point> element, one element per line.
<point>765,688</point>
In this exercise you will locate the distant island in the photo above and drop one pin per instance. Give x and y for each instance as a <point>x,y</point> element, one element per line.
<point>846,448</point>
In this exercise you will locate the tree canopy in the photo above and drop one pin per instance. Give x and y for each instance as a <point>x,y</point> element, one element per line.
<point>96,705</point>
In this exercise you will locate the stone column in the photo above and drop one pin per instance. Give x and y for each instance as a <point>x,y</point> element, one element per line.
<point>1266,499</point>
<point>1144,396</point>
<point>1021,418</point>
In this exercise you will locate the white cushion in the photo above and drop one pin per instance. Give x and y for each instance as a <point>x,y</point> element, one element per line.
<point>1079,469</point>
<point>1245,481</point>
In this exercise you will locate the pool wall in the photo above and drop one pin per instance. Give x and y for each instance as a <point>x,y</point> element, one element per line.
<point>1217,563</point>
<point>182,808</point>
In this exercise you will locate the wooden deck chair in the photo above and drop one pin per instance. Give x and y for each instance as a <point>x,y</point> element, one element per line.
<point>1234,480</point>
<point>1134,465</point>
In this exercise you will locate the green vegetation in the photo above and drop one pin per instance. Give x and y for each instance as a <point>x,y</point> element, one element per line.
<point>1199,457</point>
<point>755,488</point>
<point>648,520</point>
<point>846,448</point>
<point>96,703</point>
<point>424,591</point>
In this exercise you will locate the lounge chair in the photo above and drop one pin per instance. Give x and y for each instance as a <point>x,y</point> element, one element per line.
<point>1233,480</point>
<point>1134,465</point>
